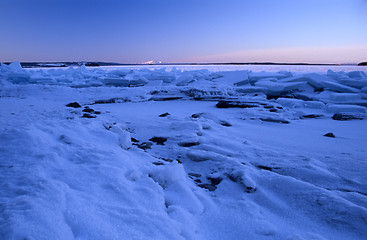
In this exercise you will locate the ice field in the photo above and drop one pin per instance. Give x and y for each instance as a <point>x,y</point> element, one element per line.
<point>183,152</point>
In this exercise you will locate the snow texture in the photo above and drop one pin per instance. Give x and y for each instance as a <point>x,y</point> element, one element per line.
<point>183,153</point>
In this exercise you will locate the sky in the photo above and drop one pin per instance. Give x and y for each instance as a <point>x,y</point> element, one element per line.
<point>178,31</point>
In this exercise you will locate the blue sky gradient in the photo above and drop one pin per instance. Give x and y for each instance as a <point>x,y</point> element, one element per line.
<point>184,31</point>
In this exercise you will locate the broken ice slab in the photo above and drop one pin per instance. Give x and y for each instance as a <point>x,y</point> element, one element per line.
<point>345,97</point>
<point>255,76</point>
<point>357,74</point>
<point>184,80</point>
<point>243,82</point>
<point>354,82</point>
<point>344,108</point>
<point>316,80</point>
<point>117,82</point>
<point>297,103</point>
<point>337,87</point>
<point>278,88</point>
<point>19,77</point>
<point>251,89</point>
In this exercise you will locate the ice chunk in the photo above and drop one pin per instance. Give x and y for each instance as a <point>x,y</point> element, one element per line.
<point>277,88</point>
<point>41,78</point>
<point>339,87</point>
<point>314,104</point>
<point>19,77</point>
<point>317,80</point>
<point>138,81</point>
<point>336,75</point>
<point>165,77</point>
<point>117,82</point>
<point>15,67</point>
<point>119,73</point>
<point>184,80</point>
<point>243,82</point>
<point>343,108</point>
<point>345,97</point>
<point>354,82</point>
<point>4,67</point>
<point>251,89</point>
<point>267,80</point>
<point>259,75</point>
<point>294,79</point>
<point>357,74</point>
<point>297,103</point>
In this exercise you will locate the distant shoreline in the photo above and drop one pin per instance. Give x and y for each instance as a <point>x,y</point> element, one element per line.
<point>104,64</point>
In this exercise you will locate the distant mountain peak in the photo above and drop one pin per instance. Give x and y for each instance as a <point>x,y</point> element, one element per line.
<point>152,62</point>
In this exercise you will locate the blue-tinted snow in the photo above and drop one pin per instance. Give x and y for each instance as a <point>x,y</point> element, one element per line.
<point>262,172</point>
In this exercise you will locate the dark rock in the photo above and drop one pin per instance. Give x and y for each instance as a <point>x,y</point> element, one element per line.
<point>224,123</point>
<point>88,110</point>
<point>74,105</point>
<point>265,168</point>
<point>158,163</point>
<point>166,159</point>
<point>236,104</point>
<point>112,100</point>
<point>271,96</point>
<point>318,90</point>
<point>345,117</point>
<point>164,114</point>
<point>157,92</point>
<point>87,115</point>
<point>158,140</point>
<point>97,112</point>
<point>164,98</point>
<point>197,180</point>
<point>250,189</point>
<point>311,116</point>
<point>330,134</point>
<point>145,145</point>
<point>134,140</point>
<point>210,187</point>
<point>273,110</point>
<point>274,120</point>
<point>215,181</point>
<point>197,175</point>
<point>196,115</point>
<point>188,144</point>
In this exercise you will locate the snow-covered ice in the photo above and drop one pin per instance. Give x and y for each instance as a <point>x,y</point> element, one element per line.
<point>215,152</point>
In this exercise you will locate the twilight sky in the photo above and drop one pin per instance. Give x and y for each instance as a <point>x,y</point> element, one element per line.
<point>135,31</point>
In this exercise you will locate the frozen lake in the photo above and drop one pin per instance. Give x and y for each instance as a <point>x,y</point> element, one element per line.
<point>183,152</point>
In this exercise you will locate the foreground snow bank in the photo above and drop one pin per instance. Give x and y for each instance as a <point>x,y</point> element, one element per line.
<point>202,159</point>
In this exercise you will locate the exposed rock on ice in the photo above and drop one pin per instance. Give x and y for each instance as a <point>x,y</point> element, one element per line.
<point>330,134</point>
